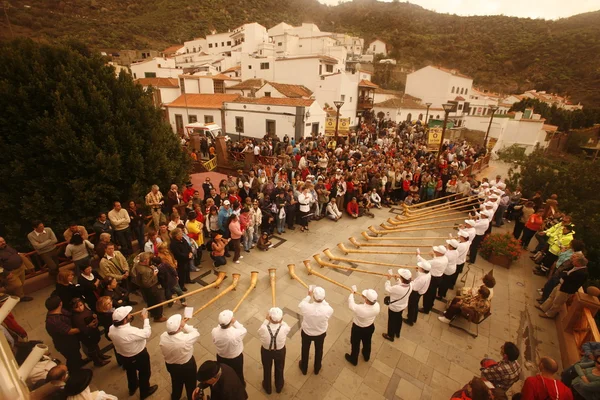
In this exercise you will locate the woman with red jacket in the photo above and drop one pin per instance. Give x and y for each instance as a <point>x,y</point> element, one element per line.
<point>533,224</point>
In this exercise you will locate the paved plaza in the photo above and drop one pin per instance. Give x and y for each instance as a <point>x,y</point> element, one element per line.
<point>431,360</point>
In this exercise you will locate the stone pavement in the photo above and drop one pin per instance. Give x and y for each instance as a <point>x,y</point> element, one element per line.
<point>430,361</point>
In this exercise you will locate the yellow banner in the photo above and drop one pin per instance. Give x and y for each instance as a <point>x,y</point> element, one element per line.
<point>435,136</point>
<point>211,164</point>
<point>343,126</point>
<point>330,126</point>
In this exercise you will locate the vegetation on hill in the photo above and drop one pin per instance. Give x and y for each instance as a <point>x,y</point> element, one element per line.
<point>75,138</point>
<point>504,54</point>
<point>565,120</point>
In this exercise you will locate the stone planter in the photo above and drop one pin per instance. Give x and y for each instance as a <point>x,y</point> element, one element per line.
<point>501,260</point>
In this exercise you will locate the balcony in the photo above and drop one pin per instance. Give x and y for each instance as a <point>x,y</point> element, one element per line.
<point>364,103</point>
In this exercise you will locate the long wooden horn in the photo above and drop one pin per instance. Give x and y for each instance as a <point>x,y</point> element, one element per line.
<point>253,280</point>
<point>234,282</point>
<point>419,206</point>
<point>272,277</point>
<point>432,228</point>
<point>367,237</point>
<point>346,251</point>
<point>452,208</point>
<point>437,207</point>
<point>328,253</point>
<point>358,245</point>
<point>313,272</point>
<point>431,201</point>
<point>441,214</point>
<point>220,277</point>
<point>414,225</point>
<point>324,263</point>
<point>292,271</point>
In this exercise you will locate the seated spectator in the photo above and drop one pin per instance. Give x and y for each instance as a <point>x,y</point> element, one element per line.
<point>375,198</point>
<point>472,308</point>
<point>505,373</point>
<point>543,386</point>
<point>332,212</point>
<point>263,242</point>
<point>352,208</point>
<point>75,229</point>
<point>474,390</point>
<point>564,263</point>
<point>40,370</point>
<point>585,382</point>
<point>218,251</point>
<point>115,265</point>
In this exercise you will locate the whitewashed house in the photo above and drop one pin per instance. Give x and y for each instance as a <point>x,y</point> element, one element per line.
<point>406,108</point>
<point>165,89</point>
<point>206,83</point>
<point>189,108</point>
<point>158,67</point>
<point>377,47</point>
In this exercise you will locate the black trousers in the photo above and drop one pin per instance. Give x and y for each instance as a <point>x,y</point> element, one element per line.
<point>456,274</point>
<point>183,272</point>
<point>153,295</point>
<point>528,234</point>
<point>429,296</point>
<point>123,238</point>
<point>394,323</point>
<point>474,248</point>
<point>138,364</point>
<point>413,306</point>
<point>518,229</point>
<point>306,341</point>
<point>360,335</point>
<point>70,350</point>
<point>445,284</point>
<point>182,374</point>
<point>268,358</point>
<point>237,364</point>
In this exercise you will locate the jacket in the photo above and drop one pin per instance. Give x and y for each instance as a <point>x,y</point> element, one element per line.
<point>573,280</point>
<point>146,278</point>
<point>115,267</point>
<point>181,250</point>
<point>557,240</point>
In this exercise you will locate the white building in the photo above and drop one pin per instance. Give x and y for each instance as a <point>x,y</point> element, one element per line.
<point>189,108</point>
<point>206,84</point>
<point>377,47</point>
<point>158,67</point>
<point>165,89</point>
<point>406,108</point>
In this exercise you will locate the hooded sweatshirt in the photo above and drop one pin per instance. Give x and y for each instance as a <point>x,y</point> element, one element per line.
<point>541,388</point>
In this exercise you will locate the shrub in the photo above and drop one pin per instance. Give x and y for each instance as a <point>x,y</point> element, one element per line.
<point>500,244</point>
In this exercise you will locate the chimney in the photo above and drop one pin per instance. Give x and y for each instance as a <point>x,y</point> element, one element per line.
<point>518,115</point>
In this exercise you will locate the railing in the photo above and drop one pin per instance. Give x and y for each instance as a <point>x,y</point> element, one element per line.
<point>266,160</point>
<point>237,155</point>
<point>585,329</point>
<point>210,164</point>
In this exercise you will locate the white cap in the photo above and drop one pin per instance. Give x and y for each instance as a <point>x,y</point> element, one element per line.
<point>492,197</point>
<point>487,213</point>
<point>502,185</point>
<point>425,265</point>
<point>488,204</point>
<point>318,293</point>
<point>173,323</point>
<point>404,273</point>
<point>370,294</point>
<point>453,242</point>
<point>463,233</point>
<point>225,317</point>
<point>120,313</point>
<point>440,249</point>
<point>485,184</point>
<point>470,222</point>
<point>226,203</point>
<point>276,314</point>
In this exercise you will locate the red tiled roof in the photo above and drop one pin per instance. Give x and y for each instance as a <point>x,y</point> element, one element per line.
<point>550,128</point>
<point>222,77</point>
<point>159,82</point>
<point>232,69</point>
<point>291,90</point>
<point>172,49</point>
<point>249,84</point>
<point>322,58</point>
<point>459,98</point>
<point>366,83</point>
<point>398,102</point>
<point>275,101</point>
<point>196,100</point>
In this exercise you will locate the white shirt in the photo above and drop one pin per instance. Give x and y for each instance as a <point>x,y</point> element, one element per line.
<point>179,348</point>
<point>304,200</point>
<point>481,226</point>
<point>452,256</point>
<point>265,337</point>
<point>472,233</point>
<point>315,316</point>
<point>364,314</point>
<point>463,249</point>
<point>421,282</point>
<point>40,370</point>
<point>149,246</point>
<point>438,265</point>
<point>229,342</point>
<point>129,340</point>
<point>399,293</point>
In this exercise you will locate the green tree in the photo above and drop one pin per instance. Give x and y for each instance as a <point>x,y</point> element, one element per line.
<point>75,137</point>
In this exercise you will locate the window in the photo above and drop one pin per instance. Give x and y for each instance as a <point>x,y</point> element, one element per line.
<point>343,97</point>
<point>149,74</point>
<point>462,90</point>
<point>452,89</point>
<point>267,94</point>
<point>420,117</point>
<point>194,50</point>
<point>134,75</point>
<point>216,45</point>
<point>158,65</point>
<point>350,99</point>
<point>182,85</point>
<point>222,44</point>
<point>460,107</point>
<point>270,127</point>
<point>279,43</point>
<point>466,91</point>
<point>219,86</point>
<point>264,65</point>
<point>239,124</point>
<point>229,43</point>
<point>192,119</point>
<point>249,66</point>
<point>329,68</point>
<point>209,119</point>
<point>210,45</point>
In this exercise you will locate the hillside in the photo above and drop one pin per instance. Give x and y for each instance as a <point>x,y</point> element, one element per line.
<point>504,54</point>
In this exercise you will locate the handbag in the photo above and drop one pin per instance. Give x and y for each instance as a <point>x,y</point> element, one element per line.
<point>387,302</point>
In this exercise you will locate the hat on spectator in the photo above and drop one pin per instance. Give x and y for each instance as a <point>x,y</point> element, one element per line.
<point>120,313</point>
<point>370,294</point>
<point>226,203</point>
<point>208,370</point>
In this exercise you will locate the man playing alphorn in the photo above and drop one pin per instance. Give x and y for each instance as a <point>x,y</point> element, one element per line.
<point>315,318</point>
<point>363,324</point>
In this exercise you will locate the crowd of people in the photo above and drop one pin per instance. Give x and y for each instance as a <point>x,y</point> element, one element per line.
<point>308,180</point>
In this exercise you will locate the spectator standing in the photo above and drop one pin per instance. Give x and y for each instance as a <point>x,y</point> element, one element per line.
<point>62,332</point>
<point>137,219</point>
<point>154,200</point>
<point>182,252</point>
<point>543,385</point>
<point>73,229</point>
<point>120,220</point>
<point>89,335</point>
<point>79,251</point>
<point>147,280</point>
<point>102,225</point>
<point>13,272</point>
<point>43,240</point>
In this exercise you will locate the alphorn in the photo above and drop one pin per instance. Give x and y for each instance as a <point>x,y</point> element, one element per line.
<point>431,201</point>
<point>329,254</point>
<point>253,280</point>
<point>236,278</point>
<point>323,263</point>
<point>395,225</point>
<point>346,251</point>
<point>432,228</point>
<point>367,237</point>
<point>359,245</point>
<point>440,213</point>
<point>292,271</point>
<point>222,275</point>
<point>447,205</point>
<point>272,277</point>
<point>313,272</point>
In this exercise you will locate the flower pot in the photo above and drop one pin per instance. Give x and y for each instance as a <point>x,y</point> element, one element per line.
<point>501,260</point>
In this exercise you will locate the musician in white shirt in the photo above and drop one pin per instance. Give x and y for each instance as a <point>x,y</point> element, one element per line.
<point>273,334</point>
<point>398,301</point>
<point>228,338</point>
<point>419,288</point>
<point>363,324</point>
<point>452,256</point>
<point>463,249</point>
<point>438,265</point>
<point>481,226</point>
<point>130,344</point>
<point>177,346</point>
<point>315,317</point>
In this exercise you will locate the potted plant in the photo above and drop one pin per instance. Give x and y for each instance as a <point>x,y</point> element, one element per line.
<point>500,249</point>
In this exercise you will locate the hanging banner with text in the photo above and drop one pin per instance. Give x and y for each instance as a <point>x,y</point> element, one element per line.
<point>343,126</point>
<point>435,137</point>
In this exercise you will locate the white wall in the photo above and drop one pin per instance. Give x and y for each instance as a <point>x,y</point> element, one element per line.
<point>377,47</point>
<point>339,87</point>
<point>169,94</point>
<point>508,131</point>
<point>198,112</point>
<point>434,86</point>
<point>162,67</point>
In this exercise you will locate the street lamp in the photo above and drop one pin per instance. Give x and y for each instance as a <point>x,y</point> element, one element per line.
<point>427,113</point>
<point>338,104</point>
<point>447,108</point>
<point>493,109</point>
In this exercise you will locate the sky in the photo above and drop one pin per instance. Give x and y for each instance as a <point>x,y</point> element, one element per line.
<point>546,9</point>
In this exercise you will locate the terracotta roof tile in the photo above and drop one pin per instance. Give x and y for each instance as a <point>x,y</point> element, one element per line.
<point>459,98</point>
<point>172,49</point>
<point>291,90</point>
<point>399,102</point>
<point>159,82</point>
<point>222,77</point>
<point>195,100</point>
<point>248,84</point>
<point>322,58</point>
<point>366,83</point>
<point>275,101</point>
<point>232,69</point>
